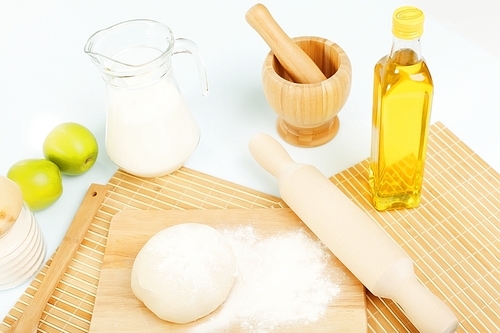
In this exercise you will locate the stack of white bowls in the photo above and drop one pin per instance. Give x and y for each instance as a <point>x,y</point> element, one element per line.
<point>22,251</point>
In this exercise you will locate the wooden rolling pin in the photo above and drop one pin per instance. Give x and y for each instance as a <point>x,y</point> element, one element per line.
<point>27,322</point>
<point>357,241</point>
<point>299,66</point>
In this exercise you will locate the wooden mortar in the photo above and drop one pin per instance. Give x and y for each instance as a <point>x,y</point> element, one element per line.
<point>307,113</point>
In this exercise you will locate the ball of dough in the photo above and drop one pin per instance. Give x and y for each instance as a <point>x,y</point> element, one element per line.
<point>184,272</point>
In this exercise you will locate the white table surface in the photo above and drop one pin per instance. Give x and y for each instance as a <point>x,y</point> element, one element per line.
<point>46,79</point>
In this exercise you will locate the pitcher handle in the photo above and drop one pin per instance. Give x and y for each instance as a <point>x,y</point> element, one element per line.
<point>183,45</point>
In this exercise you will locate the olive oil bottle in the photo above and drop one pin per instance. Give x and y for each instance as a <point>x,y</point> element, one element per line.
<point>402,100</point>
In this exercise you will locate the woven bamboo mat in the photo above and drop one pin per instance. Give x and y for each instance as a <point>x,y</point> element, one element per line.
<point>453,237</point>
<point>71,305</point>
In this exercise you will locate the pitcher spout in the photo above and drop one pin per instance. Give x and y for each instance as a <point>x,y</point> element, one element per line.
<point>92,49</point>
<point>97,59</point>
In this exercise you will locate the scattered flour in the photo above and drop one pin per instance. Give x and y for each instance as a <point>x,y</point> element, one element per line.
<point>282,280</point>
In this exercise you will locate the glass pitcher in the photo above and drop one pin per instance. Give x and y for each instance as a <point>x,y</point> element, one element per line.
<point>150,130</point>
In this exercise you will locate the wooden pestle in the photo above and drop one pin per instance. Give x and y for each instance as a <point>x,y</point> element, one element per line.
<point>353,237</point>
<point>299,66</point>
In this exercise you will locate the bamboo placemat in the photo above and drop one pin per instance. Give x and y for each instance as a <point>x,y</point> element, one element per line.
<point>453,236</point>
<point>71,305</point>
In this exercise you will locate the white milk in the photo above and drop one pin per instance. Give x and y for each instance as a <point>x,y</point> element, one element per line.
<point>150,130</point>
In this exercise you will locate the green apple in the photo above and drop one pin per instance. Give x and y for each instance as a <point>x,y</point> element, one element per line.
<point>72,147</point>
<point>40,182</point>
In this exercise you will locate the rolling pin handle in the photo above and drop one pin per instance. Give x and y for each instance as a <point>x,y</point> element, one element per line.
<point>424,309</point>
<point>270,154</point>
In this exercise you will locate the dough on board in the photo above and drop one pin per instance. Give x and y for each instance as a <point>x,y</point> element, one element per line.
<point>184,272</point>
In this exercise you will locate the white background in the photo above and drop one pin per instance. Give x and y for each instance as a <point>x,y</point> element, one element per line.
<point>46,79</point>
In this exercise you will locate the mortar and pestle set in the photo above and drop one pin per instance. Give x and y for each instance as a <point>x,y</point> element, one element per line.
<point>306,81</point>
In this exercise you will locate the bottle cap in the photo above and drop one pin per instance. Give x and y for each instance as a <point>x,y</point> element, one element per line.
<point>408,22</point>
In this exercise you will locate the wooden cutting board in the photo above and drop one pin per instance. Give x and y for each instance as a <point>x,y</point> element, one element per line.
<point>117,309</point>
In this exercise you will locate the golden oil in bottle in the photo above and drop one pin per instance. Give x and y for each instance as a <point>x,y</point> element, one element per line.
<point>402,100</point>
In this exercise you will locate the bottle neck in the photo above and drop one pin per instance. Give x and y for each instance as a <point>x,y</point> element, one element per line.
<point>406,51</point>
